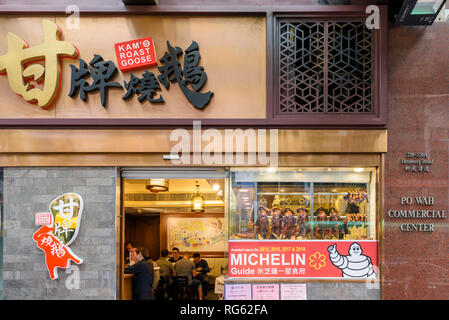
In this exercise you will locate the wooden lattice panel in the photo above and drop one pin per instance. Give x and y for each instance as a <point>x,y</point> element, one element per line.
<point>324,67</point>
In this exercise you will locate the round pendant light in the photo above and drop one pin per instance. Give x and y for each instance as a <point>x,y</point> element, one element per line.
<point>157,185</point>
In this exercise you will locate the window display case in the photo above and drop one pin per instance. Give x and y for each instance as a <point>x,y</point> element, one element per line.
<point>303,204</point>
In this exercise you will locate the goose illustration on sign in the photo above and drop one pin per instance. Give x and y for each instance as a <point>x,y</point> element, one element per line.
<point>54,238</point>
<point>353,265</point>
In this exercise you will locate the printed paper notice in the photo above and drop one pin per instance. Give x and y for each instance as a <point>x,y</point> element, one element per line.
<point>293,291</point>
<point>238,292</point>
<point>265,291</point>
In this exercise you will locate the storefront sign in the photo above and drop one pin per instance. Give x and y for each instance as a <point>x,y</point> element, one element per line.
<point>303,259</point>
<point>414,214</point>
<point>135,54</point>
<point>293,291</point>
<point>54,238</point>
<point>191,78</point>
<point>416,162</point>
<point>238,291</point>
<point>266,291</point>
<point>26,67</point>
<point>417,207</point>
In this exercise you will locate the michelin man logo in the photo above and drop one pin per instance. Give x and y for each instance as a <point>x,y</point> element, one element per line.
<point>355,264</point>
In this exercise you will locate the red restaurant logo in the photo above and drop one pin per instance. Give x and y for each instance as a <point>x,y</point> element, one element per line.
<point>59,229</point>
<point>135,54</point>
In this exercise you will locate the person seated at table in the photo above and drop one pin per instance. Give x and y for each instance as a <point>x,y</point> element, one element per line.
<point>186,268</point>
<point>166,274</point>
<point>175,255</point>
<point>202,269</point>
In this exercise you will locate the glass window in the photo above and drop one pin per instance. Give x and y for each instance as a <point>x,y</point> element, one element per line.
<point>297,204</point>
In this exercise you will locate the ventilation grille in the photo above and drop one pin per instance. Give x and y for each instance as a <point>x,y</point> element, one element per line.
<point>167,196</point>
<point>325,67</point>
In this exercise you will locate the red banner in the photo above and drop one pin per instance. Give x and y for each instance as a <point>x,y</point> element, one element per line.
<point>303,259</point>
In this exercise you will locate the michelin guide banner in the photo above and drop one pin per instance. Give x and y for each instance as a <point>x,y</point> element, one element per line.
<point>303,259</point>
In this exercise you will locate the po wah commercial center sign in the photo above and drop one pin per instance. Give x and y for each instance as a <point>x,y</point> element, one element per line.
<point>303,259</point>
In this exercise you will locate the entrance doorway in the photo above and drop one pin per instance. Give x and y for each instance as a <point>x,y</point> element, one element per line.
<point>173,208</point>
<point>143,230</point>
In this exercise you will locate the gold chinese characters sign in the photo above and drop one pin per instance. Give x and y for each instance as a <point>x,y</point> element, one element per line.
<point>22,68</point>
<point>235,63</point>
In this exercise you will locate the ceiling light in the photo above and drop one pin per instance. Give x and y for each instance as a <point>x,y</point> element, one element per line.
<point>197,200</point>
<point>216,187</point>
<point>358,169</point>
<point>157,185</point>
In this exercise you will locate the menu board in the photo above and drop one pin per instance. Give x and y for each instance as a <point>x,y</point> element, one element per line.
<point>266,291</point>
<point>237,292</point>
<point>293,291</point>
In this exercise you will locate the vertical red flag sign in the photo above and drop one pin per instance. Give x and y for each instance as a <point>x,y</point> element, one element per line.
<point>135,54</point>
